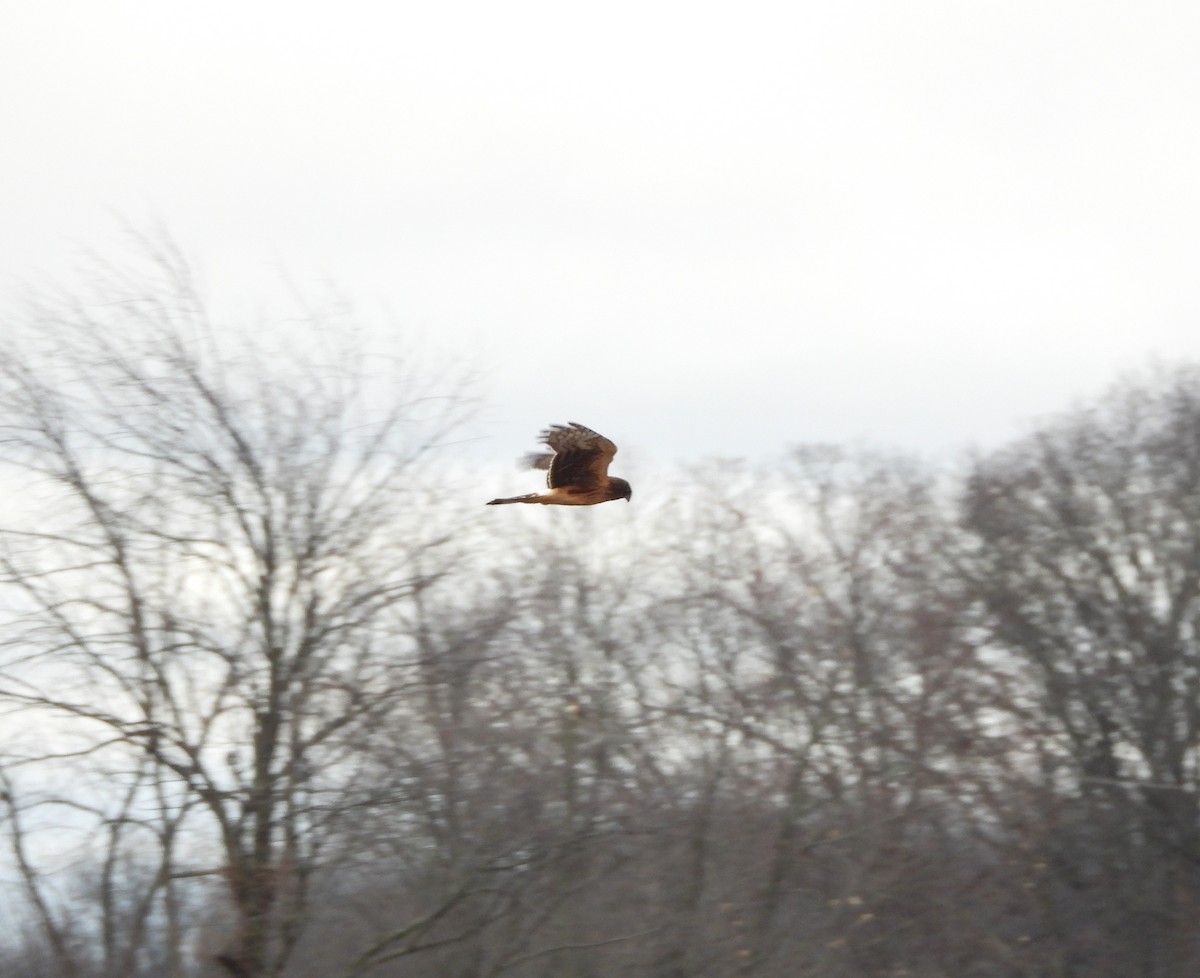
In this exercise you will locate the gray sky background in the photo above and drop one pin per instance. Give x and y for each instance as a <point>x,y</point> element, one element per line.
<point>918,224</point>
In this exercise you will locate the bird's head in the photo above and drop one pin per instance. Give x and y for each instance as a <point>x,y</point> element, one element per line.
<point>619,489</point>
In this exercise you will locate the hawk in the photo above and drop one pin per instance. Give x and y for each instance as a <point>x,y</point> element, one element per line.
<point>576,469</point>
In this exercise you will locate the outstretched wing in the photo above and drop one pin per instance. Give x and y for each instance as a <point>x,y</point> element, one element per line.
<point>580,460</point>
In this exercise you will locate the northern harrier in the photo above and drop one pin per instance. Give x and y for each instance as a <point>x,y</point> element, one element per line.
<point>576,470</point>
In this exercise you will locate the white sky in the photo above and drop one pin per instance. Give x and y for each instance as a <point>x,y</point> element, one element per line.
<point>917,223</point>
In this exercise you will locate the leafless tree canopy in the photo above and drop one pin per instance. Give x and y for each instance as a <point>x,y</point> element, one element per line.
<point>275,703</point>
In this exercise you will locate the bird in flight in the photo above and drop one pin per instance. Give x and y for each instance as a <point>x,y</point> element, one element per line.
<point>576,469</point>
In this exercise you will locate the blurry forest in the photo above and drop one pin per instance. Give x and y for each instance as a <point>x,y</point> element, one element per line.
<point>280,697</point>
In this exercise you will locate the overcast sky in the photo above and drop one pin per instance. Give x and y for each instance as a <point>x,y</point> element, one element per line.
<point>704,229</point>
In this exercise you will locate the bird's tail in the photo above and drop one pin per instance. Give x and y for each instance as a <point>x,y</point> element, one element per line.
<point>529,497</point>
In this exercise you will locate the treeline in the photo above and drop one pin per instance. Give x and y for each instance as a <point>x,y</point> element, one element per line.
<point>280,701</point>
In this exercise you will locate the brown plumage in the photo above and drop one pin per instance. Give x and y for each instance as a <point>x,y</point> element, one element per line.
<point>576,469</point>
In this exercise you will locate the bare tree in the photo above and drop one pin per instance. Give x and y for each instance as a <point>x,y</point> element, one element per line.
<point>215,540</point>
<point>512,765</point>
<point>267,698</point>
<point>792,695</point>
<point>1088,562</point>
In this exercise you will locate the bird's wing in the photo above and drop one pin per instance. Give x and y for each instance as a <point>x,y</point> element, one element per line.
<point>539,460</point>
<point>581,456</point>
